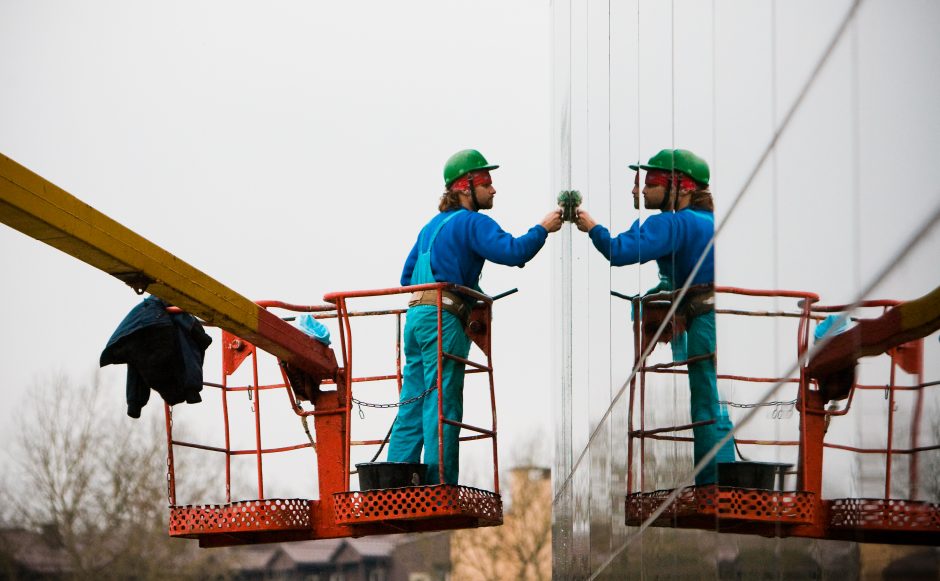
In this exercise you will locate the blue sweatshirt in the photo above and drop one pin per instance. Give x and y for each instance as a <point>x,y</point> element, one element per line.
<point>466,242</point>
<point>668,238</point>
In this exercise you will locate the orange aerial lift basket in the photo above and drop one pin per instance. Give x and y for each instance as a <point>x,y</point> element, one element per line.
<point>339,511</point>
<point>823,390</point>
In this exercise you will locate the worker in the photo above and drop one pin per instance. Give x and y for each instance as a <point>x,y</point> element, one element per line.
<point>676,237</point>
<point>452,247</point>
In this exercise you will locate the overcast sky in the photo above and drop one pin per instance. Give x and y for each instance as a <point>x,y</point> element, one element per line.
<point>286,149</point>
<point>291,149</point>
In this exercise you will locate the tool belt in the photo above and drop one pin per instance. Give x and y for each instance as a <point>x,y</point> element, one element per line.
<point>451,302</point>
<point>699,300</point>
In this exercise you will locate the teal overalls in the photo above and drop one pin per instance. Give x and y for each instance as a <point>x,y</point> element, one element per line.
<point>675,240</point>
<point>416,424</point>
<point>700,340</point>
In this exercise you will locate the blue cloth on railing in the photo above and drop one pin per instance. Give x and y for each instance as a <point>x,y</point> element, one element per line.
<point>828,327</point>
<point>313,327</point>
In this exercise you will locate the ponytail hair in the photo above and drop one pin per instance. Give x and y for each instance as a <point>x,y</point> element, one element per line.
<point>703,200</point>
<point>450,200</point>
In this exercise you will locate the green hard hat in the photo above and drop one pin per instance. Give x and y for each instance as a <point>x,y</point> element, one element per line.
<point>463,162</point>
<point>681,160</point>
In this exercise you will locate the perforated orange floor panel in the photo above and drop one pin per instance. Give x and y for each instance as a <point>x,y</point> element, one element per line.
<point>709,506</point>
<point>907,515</point>
<point>417,502</point>
<point>772,513</point>
<point>240,517</point>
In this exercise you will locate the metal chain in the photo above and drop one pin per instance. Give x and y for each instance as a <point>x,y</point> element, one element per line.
<point>396,404</point>
<point>782,409</point>
<point>755,405</point>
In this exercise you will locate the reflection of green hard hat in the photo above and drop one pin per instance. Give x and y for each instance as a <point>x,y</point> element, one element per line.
<point>463,162</point>
<point>681,160</point>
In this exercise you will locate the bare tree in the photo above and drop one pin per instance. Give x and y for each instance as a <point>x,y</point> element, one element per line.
<point>521,547</point>
<point>95,481</point>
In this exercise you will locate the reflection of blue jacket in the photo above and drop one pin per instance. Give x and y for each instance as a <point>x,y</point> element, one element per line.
<point>668,238</point>
<point>162,351</point>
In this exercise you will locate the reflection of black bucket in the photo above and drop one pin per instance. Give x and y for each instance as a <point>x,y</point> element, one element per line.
<point>379,475</point>
<point>759,475</point>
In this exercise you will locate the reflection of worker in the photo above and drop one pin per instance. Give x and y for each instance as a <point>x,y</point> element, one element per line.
<point>677,184</point>
<point>452,247</point>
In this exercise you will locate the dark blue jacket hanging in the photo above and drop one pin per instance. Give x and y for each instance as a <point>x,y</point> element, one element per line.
<point>163,352</point>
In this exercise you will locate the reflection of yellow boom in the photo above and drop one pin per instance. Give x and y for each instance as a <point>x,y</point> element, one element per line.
<point>834,365</point>
<point>49,214</point>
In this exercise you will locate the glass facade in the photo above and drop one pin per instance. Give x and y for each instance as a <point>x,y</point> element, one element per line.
<point>819,123</point>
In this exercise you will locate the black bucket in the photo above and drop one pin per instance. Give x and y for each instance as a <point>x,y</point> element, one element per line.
<point>380,475</point>
<point>759,475</point>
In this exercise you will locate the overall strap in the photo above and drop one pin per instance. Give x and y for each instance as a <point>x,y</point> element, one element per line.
<point>422,273</point>
<point>440,225</point>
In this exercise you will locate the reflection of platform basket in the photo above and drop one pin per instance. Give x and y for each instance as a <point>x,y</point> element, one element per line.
<point>415,503</point>
<point>880,520</point>
<point>774,513</point>
<point>749,496</point>
<point>705,506</point>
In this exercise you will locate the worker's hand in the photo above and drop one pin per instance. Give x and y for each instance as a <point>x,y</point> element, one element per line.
<point>552,221</point>
<point>584,221</point>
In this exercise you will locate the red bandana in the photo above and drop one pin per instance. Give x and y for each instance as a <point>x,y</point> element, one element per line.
<point>664,178</point>
<point>480,178</point>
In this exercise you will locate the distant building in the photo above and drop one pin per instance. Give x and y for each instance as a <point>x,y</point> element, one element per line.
<point>424,557</point>
<point>26,554</point>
